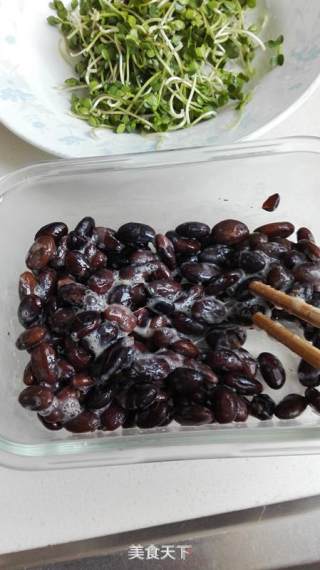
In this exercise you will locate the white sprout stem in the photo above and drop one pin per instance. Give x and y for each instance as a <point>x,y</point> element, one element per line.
<point>169,44</point>
<point>182,94</point>
<point>187,109</point>
<point>174,114</point>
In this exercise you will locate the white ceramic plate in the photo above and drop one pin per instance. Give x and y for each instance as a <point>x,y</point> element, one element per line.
<point>32,69</point>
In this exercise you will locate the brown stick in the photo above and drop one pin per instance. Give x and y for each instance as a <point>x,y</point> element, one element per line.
<point>293,305</point>
<point>297,344</point>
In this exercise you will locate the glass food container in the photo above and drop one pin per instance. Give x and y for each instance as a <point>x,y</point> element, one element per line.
<point>161,189</point>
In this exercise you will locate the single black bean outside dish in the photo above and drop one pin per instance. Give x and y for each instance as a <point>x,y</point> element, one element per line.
<point>131,328</point>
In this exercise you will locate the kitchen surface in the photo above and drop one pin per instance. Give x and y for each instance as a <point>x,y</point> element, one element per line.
<point>50,507</point>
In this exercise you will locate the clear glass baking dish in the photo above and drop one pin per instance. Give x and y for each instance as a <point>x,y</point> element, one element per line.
<point>161,189</point>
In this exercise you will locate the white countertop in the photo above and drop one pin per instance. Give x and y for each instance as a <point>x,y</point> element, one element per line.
<point>41,508</point>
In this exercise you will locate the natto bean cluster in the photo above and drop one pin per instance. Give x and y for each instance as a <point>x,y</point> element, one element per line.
<point>133,328</point>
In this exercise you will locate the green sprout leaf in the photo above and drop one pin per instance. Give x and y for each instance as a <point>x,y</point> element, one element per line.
<point>159,66</point>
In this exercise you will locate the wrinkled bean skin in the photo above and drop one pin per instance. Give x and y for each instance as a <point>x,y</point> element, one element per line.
<point>90,251</point>
<point>106,240</point>
<point>225,360</point>
<point>101,281</point>
<point>308,376</point>
<point>77,355</point>
<point>136,235</point>
<point>122,316</point>
<point>185,347</point>
<point>305,233</point>
<point>112,360</point>
<point>98,261</point>
<point>131,327</point>
<point>36,398</point>
<point>73,294</point>
<point>84,422</point>
<point>313,398</point>
<point>104,336</point>
<point>56,230</point>
<point>59,259</point>
<point>249,364</point>
<point>30,311</point>
<point>216,254</point>
<point>284,242</point>
<point>274,249</point>
<point>160,322</point>
<point>66,371</point>
<point>256,239</point>
<point>52,415</point>
<point>262,407</point>
<point>156,415</point>
<point>272,370</point>
<point>185,381</point>
<point>28,376</point>
<point>27,284</point>
<point>137,297</point>
<point>224,405</point>
<point>276,229</point>
<point>161,272</point>
<point>139,396</point>
<point>143,316</point>
<point>41,252</point>
<point>237,360</point>
<point>229,232</point>
<point>99,397</point>
<point>195,230</point>
<point>47,281</point>
<point>182,245</point>
<point>84,323</point>
<point>141,257</point>
<point>31,338</point>
<point>161,306</point>
<point>186,325</point>
<point>252,261</point>
<point>77,264</point>
<point>243,385</point>
<point>62,281</point>
<point>113,417</point>
<point>271,203</point>
<point>166,250</point>
<point>188,296</point>
<point>60,321</point>
<point>308,273</point>
<point>242,410</point>
<point>209,311</point>
<point>167,289</point>
<point>199,272</point>
<point>225,283</point>
<point>76,242</point>
<point>310,249</point>
<point>193,415</point>
<point>279,278</point>
<point>152,367</point>
<point>292,259</point>
<point>227,336</point>
<point>44,363</point>
<point>52,426</point>
<point>121,295</point>
<point>163,337</point>
<point>291,407</point>
<point>85,227</point>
